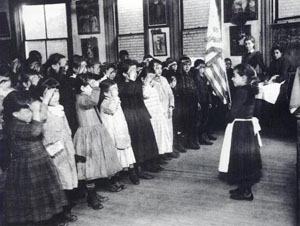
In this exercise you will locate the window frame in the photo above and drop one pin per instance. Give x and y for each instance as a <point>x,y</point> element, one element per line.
<point>68,20</point>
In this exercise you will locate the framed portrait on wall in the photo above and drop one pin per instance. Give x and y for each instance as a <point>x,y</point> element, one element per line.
<point>4,28</point>
<point>157,12</point>
<point>90,48</point>
<point>159,43</point>
<point>87,12</point>
<point>236,10</point>
<point>237,36</point>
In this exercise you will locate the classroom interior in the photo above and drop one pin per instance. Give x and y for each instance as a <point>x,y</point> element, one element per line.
<point>190,190</point>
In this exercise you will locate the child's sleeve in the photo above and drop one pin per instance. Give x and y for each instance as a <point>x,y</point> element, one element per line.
<point>170,93</point>
<point>67,126</point>
<point>27,131</point>
<point>91,101</point>
<point>110,107</point>
<point>146,91</point>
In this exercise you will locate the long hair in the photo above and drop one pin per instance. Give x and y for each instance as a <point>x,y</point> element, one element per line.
<point>14,102</point>
<point>104,87</point>
<point>252,80</point>
<point>48,83</point>
<point>82,80</point>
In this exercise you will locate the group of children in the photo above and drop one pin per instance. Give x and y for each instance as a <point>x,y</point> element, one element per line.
<point>69,121</point>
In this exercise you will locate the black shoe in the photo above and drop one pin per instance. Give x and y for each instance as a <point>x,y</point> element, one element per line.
<point>243,196</point>
<point>192,146</point>
<point>211,137</point>
<point>102,198</point>
<point>93,201</point>
<point>146,176</point>
<point>205,142</point>
<point>69,217</point>
<point>173,154</point>
<point>133,177</point>
<point>235,191</point>
<point>181,150</point>
<point>162,162</point>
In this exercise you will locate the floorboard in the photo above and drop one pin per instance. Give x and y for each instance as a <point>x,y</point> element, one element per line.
<point>189,193</point>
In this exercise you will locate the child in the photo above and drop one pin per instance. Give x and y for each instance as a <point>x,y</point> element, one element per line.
<point>188,103</point>
<point>137,117</point>
<point>5,89</point>
<point>56,131</point>
<point>110,71</point>
<point>92,140</point>
<point>205,102</point>
<point>240,155</point>
<point>166,99</point>
<point>158,120</point>
<point>114,120</point>
<point>32,188</point>
<point>178,144</point>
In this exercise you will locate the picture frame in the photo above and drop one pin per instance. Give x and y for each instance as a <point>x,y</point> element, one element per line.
<point>157,12</point>
<point>87,12</point>
<point>237,10</point>
<point>4,28</point>
<point>90,48</point>
<point>159,43</point>
<point>237,36</point>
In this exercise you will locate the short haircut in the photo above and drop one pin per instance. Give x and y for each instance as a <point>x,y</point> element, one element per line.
<point>249,38</point>
<point>198,62</point>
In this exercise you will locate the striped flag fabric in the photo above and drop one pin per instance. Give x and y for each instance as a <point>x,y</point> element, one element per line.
<point>215,66</point>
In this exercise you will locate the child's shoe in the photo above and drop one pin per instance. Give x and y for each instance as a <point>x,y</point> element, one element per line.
<point>92,200</point>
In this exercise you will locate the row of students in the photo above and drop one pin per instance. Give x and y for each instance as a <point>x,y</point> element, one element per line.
<point>99,153</point>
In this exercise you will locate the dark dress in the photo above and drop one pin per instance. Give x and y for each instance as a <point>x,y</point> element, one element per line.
<point>205,99</point>
<point>281,108</point>
<point>230,73</point>
<point>255,58</point>
<point>187,106</point>
<point>280,67</point>
<point>245,160</point>
<point>32,188</point>
<point>138,119</point>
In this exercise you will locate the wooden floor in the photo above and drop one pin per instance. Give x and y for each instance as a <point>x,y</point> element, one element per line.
<point>189,193</point>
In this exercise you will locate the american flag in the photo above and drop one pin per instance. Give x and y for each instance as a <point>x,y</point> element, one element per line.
<point>215,66</point>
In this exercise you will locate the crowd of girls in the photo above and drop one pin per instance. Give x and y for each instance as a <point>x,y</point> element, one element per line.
<point>70,125</point>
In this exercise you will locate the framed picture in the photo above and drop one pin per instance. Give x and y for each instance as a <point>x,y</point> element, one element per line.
<point>157,12</point>
<point>88,17</point>
<point>237,36</point>
<point>236,10</point>
<point>89,48</point>
<point>4,28</point>
<point>159,43</point>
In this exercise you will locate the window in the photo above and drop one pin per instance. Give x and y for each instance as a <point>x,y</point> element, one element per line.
<point>45,29</point>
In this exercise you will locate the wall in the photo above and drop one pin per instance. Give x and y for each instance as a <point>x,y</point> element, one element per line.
<point>255,32</point>
<point>131,28</point>
<point>77,38</point>
<point>195,22</point>
<point>6,44</point>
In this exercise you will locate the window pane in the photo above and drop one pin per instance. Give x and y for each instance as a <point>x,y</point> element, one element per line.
<point>36,45</point>
<point>34,22</point>
<point>56,21</point>
<point>57,46</point>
